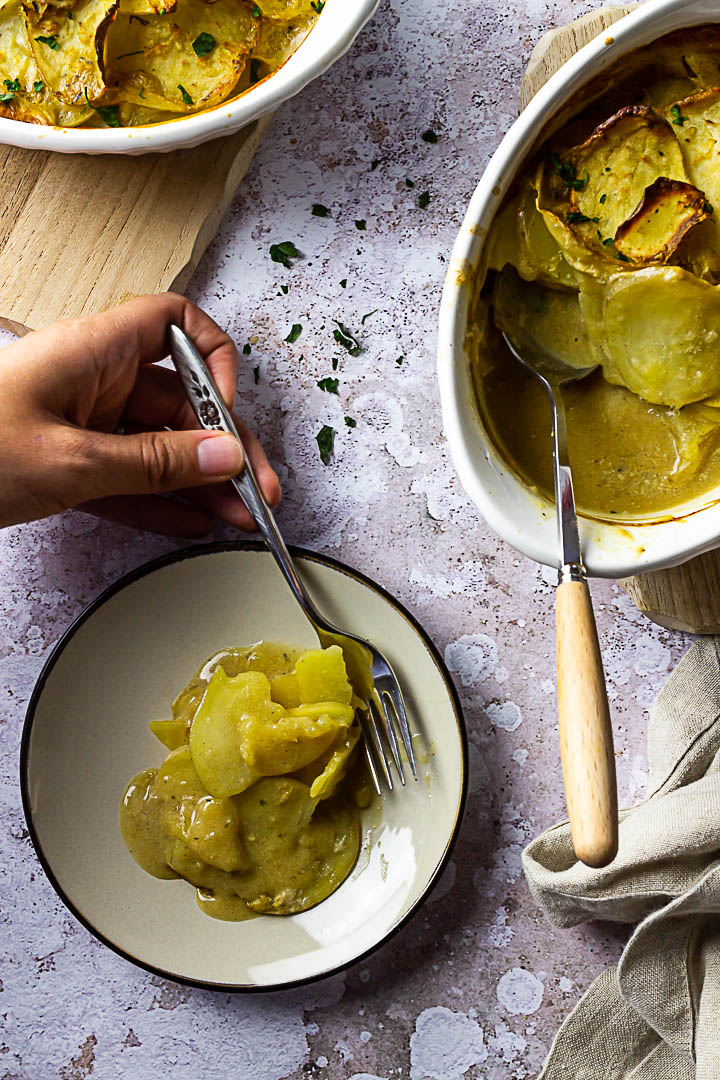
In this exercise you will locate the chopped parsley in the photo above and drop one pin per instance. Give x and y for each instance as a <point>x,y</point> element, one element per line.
<point>343,283</point>
<point>329,385</point>
<point>334,363</point>
<point>368,314</point>
<point>409,183</point>
<point>317,5</point>
<point>284,289</point>
<point>187,100</point>
<point>246,349</point>
<point>574,217</point>
<point>295,332</point>
<point>349,422</point>
<point>568,173</point>
<point>256,375</point>
<point>325,439</point>
<point>109,114</point>
<point>204,44</point>
<point>709,208</point>
<point>5,98</point>
<point>676,116</point>
<point>361,225</point>
<point>429,136</point>
<point>345,338</point>
<point>399,361</point>
<point>13,85</point>
<point>423,199</point>
<point>256,12</point>
<point>608,242</point>
<point>318,210</point>
<point>48,39</point>
<point>283,253</point>
<point>602,199</point>
<point>38,86</point>
<point>621,257</point>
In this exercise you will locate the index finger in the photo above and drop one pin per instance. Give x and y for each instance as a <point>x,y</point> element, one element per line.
<point>136,333</point>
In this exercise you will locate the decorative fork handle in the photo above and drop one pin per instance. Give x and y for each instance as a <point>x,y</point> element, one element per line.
<point>213,415</point>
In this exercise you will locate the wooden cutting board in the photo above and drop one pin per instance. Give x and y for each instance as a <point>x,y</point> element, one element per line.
<point>81,233</point>
<point>685,597</point>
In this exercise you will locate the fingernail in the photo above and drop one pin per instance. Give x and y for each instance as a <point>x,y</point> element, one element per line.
<point>220,455</point>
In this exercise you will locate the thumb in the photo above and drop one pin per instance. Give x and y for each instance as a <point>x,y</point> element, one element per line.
<point>157,461</point>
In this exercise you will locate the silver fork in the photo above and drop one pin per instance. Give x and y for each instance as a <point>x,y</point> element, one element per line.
<point>384,719</point>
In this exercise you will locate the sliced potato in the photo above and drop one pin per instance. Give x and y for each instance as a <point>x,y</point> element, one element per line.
<point>70,52</point>
<point>171,733</point>
<point>667,211</point>
<point>33,102</point>
<point>322,676</point>
<point>326,784</point>
<point>663,332</point>
<point>215,743</point>
<point>277,41</point>
<point>146,7</point>
<point>285,689</point>
<point>622,157</point>
<point>152,61</point>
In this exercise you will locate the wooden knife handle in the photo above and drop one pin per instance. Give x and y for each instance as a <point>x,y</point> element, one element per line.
<point>586,742</point>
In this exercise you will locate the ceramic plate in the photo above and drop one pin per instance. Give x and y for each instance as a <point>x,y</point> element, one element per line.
<point>121,664</point>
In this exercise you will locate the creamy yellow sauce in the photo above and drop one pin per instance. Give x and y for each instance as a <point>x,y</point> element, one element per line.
<point>607,251</point>
<point>280,830</point>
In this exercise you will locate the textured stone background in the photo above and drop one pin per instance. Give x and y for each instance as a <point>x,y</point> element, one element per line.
<point>476,985</point>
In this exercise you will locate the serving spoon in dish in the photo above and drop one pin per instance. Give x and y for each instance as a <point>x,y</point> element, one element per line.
<point>586,742</point>
<point>384,719</point>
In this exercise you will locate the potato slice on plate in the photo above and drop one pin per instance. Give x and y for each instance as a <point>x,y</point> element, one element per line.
<point>70,52</point>
<point>26,94</point>
<point>146,7</point>
<point>183,61</point>
<point>663,333</point>
<point>667,211</point>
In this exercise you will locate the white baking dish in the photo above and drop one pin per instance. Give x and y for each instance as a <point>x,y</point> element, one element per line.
<point>331,36</point>
<point>512,509</point>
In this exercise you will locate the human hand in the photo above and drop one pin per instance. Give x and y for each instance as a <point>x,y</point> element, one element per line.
<point>68,387</point>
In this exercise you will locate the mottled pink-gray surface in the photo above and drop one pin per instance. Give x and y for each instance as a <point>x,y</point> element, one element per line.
<point>476,985</point>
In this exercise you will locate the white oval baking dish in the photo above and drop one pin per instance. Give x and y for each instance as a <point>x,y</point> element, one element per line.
<point>512,509</point>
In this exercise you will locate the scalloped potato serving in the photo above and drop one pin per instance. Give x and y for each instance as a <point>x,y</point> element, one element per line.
<point>257,802</point>
<point>124,63</point>
<point>607,250</point>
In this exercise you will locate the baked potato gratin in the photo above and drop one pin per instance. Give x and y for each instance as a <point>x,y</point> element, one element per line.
<point>124,63</point>
<point>607,251</point>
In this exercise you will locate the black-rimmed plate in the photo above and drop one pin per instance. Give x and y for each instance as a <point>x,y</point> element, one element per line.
<point>121,664</point>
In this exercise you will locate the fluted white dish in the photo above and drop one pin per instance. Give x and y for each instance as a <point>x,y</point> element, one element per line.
<point>331,36</point>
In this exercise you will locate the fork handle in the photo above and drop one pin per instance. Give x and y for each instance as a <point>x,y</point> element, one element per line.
<point>586,742</point>
<point>213,414</point>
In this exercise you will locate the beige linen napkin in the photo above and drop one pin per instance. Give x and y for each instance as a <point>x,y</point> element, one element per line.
<point>657,1015</point>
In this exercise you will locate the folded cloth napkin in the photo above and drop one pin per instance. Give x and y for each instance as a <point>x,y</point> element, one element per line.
<point>657,1015</point>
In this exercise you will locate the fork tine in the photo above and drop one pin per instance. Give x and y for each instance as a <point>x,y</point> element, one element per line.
<point>392,737</point>
<point>371,726</point>
<point>399,706</point>
<point>371,765</point>
<point>381,728</point>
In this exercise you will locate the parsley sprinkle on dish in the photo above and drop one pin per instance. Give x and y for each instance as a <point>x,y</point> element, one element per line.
<point>6,98</point>
<point>48,39</point>
<point>361,225</point>
<point>317,5</point>
<point>429,136</point>
<point>349,422</point>
<point>318,210</point>
<point>187,100</point>
<point>246,349</point>
<point>295,332</point>
<point>38,86</point>
<point>676,116</point>
<point>423,199</point>
<point>204,44</point>
<point>368,314</point>
<point>13,85</point>
<point>256,12</point>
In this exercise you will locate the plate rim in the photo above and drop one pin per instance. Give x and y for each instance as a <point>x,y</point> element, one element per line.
<point>129,578</point>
